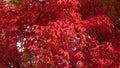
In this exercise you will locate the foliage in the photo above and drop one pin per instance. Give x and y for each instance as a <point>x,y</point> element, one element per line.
<point>16,1</point>
<point>59,34</point>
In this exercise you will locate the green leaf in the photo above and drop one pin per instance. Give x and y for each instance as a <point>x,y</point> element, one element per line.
<point>16,1</point>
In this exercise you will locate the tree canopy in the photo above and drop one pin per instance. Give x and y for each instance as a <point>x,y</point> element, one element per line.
<point>59,33</point>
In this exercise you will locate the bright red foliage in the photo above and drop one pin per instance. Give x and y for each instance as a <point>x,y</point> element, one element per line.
<point>60,34</point>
